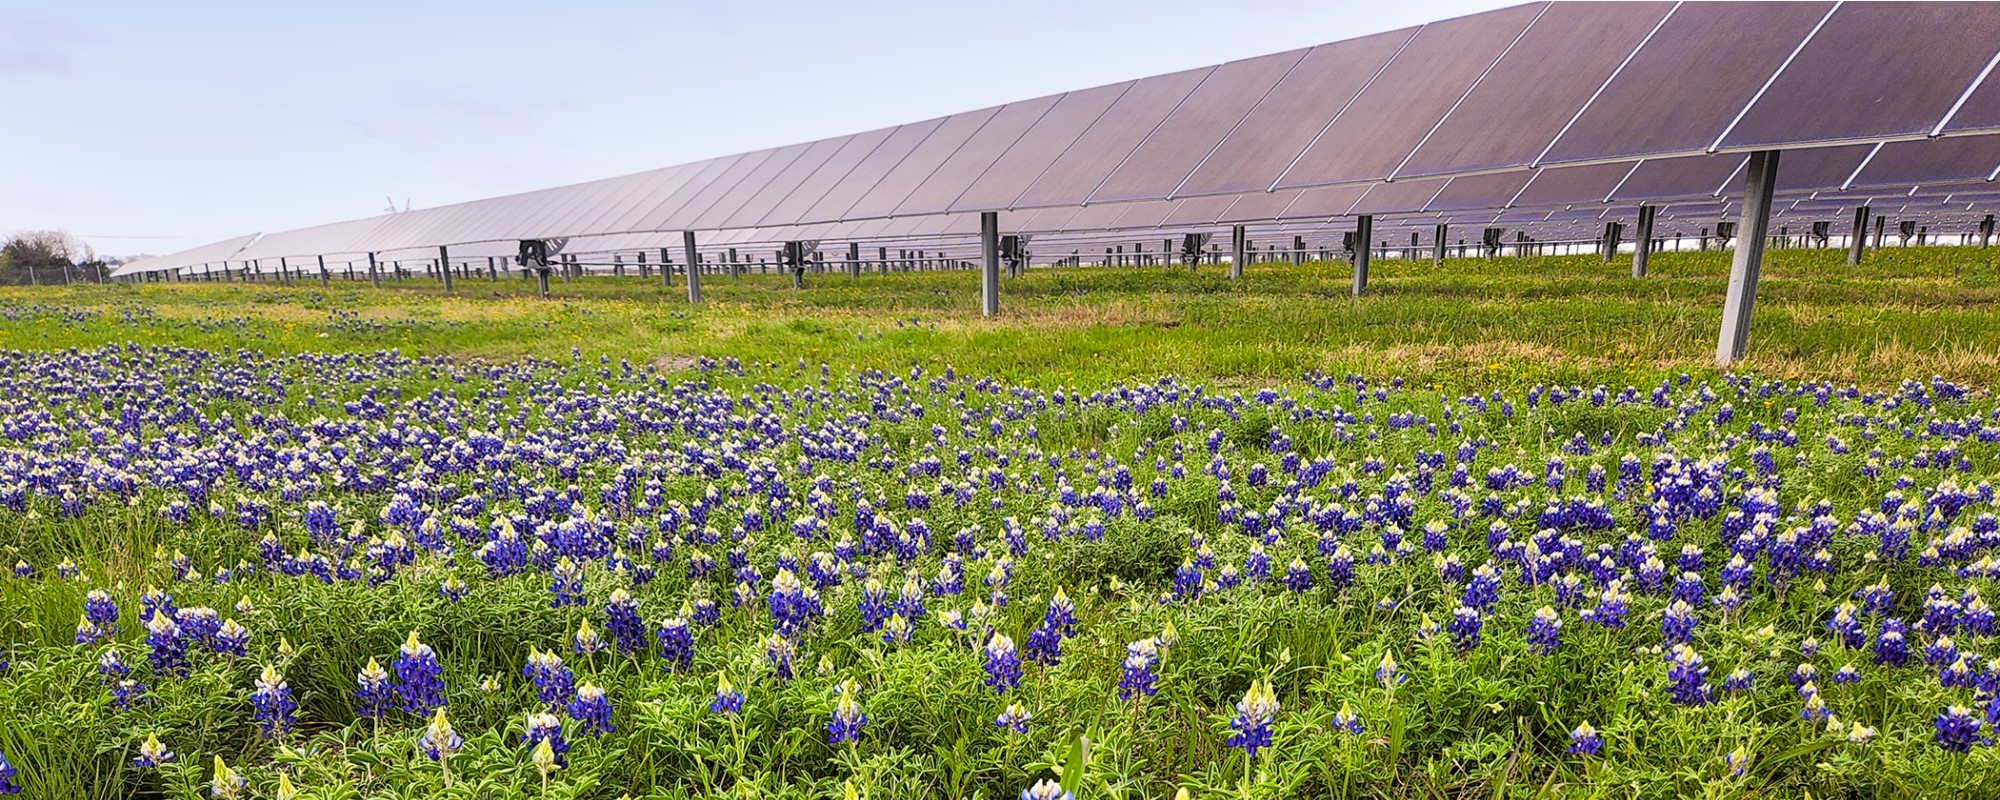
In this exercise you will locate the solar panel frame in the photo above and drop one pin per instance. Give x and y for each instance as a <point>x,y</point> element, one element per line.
<point>975,156</point>
<point>784,183</point>
<point>1168,155</point>
<point>1326,78</point>
<point>1559,64</point>
<point>1080,168</point>
<point>1850,82</point>
<point>870,171</point>
<point>1031,155</point>
<point>656,218</point>
<point>896,185</point>
<point>747,187</point>
<point>1693,76</point>
<point>1412,94</point>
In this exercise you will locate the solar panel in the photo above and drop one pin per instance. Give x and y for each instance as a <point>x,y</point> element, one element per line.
<point>1556,67</point>
<point>1413,195</point>
<point>1199,210</point>
<point>1285,121</point>
<point>726,204</point>
<point>1040,146</point>
<point>1681,90</point>
<point>784,183</point>
<point>1683,177</point>
<point>1382,124</point>
<point>1269,205</point>
<point>1853,81</point>
<point>1981,110</point>
<point>869,172</point>
<point>1079,169</point>
<point>673,180</point>
<point>1584,183</point>
<point>975,156</point>
<point>882,199</point>
<point>1159,164</point>
<point>1489,191</point>
<point>1331,201</point>
<point>813,187</point>
<point>656,219</point>
<point>1919,161</point>
<point>725,181</point>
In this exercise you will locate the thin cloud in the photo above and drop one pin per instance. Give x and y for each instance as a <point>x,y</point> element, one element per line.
<point>36,46</point>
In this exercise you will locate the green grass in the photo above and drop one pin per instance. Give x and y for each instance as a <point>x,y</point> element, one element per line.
<point>1492,723</point>
<point>1906,313</point>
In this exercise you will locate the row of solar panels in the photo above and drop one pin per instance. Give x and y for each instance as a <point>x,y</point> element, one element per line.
<point>1536,107</point>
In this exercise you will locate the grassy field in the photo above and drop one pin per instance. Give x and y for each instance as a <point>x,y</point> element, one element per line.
<point>1496,530</point>
<point>1909,313</point>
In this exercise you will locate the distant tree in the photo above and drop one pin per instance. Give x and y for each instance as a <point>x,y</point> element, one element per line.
<point>47,256</point>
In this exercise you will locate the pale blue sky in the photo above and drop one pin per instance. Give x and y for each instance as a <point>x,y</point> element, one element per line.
<point>196,121</point>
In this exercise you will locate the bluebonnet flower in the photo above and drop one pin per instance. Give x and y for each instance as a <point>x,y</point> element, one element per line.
<point>372,694</point>
<point>110,666</point>
<point>727,699</point>
<point>848,718</point>
<point>273,703</point>
<point>1137,677</point>
<point>232,639</point>
<point>1346,719</point>
<point>1738,680</point>
<point>555,682</point>
<point>419,677</point>
<point>1058,623</point>
<point>1484,588</point>
<point>591,710</point>
<point>1738,761</point>
<point>1254,715</point>
<point>1465,625</point>
<point>225,784</point>
<point>126,693</point>
<point>1545,631</point>
<point>793,605</point>
<point>1687,677</point>
<point>586,641</point>
<point>1611,607</point>
<point>7,776</point>
<point>1297,577</point>
<point>101,611</point>
<point>566,584</point>
<point>1891,647</point>
<point>1815,705</point>
<point>1585,741</point>
<point>1046,789</point>
<point>167,652</point>
<point>545,731</point>
<point>874,605</point>
<point>677,642</point>
<point>152,753</point>
<point>623,623</point>
<point>1958,730</point>
<point>439,740</point>
<point>1678,623</point>
<point>1846,627</point>
<point>1187,581</point>
<point>1386,672</point>
<point>897,630</point>
<point>1003,664</point>
<point>780,651</point>
<point>1015,718</point>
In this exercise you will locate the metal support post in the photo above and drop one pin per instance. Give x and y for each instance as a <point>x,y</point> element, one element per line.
<point>693,266</point>
<point>989,265</point>
<point>1748,260</point>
